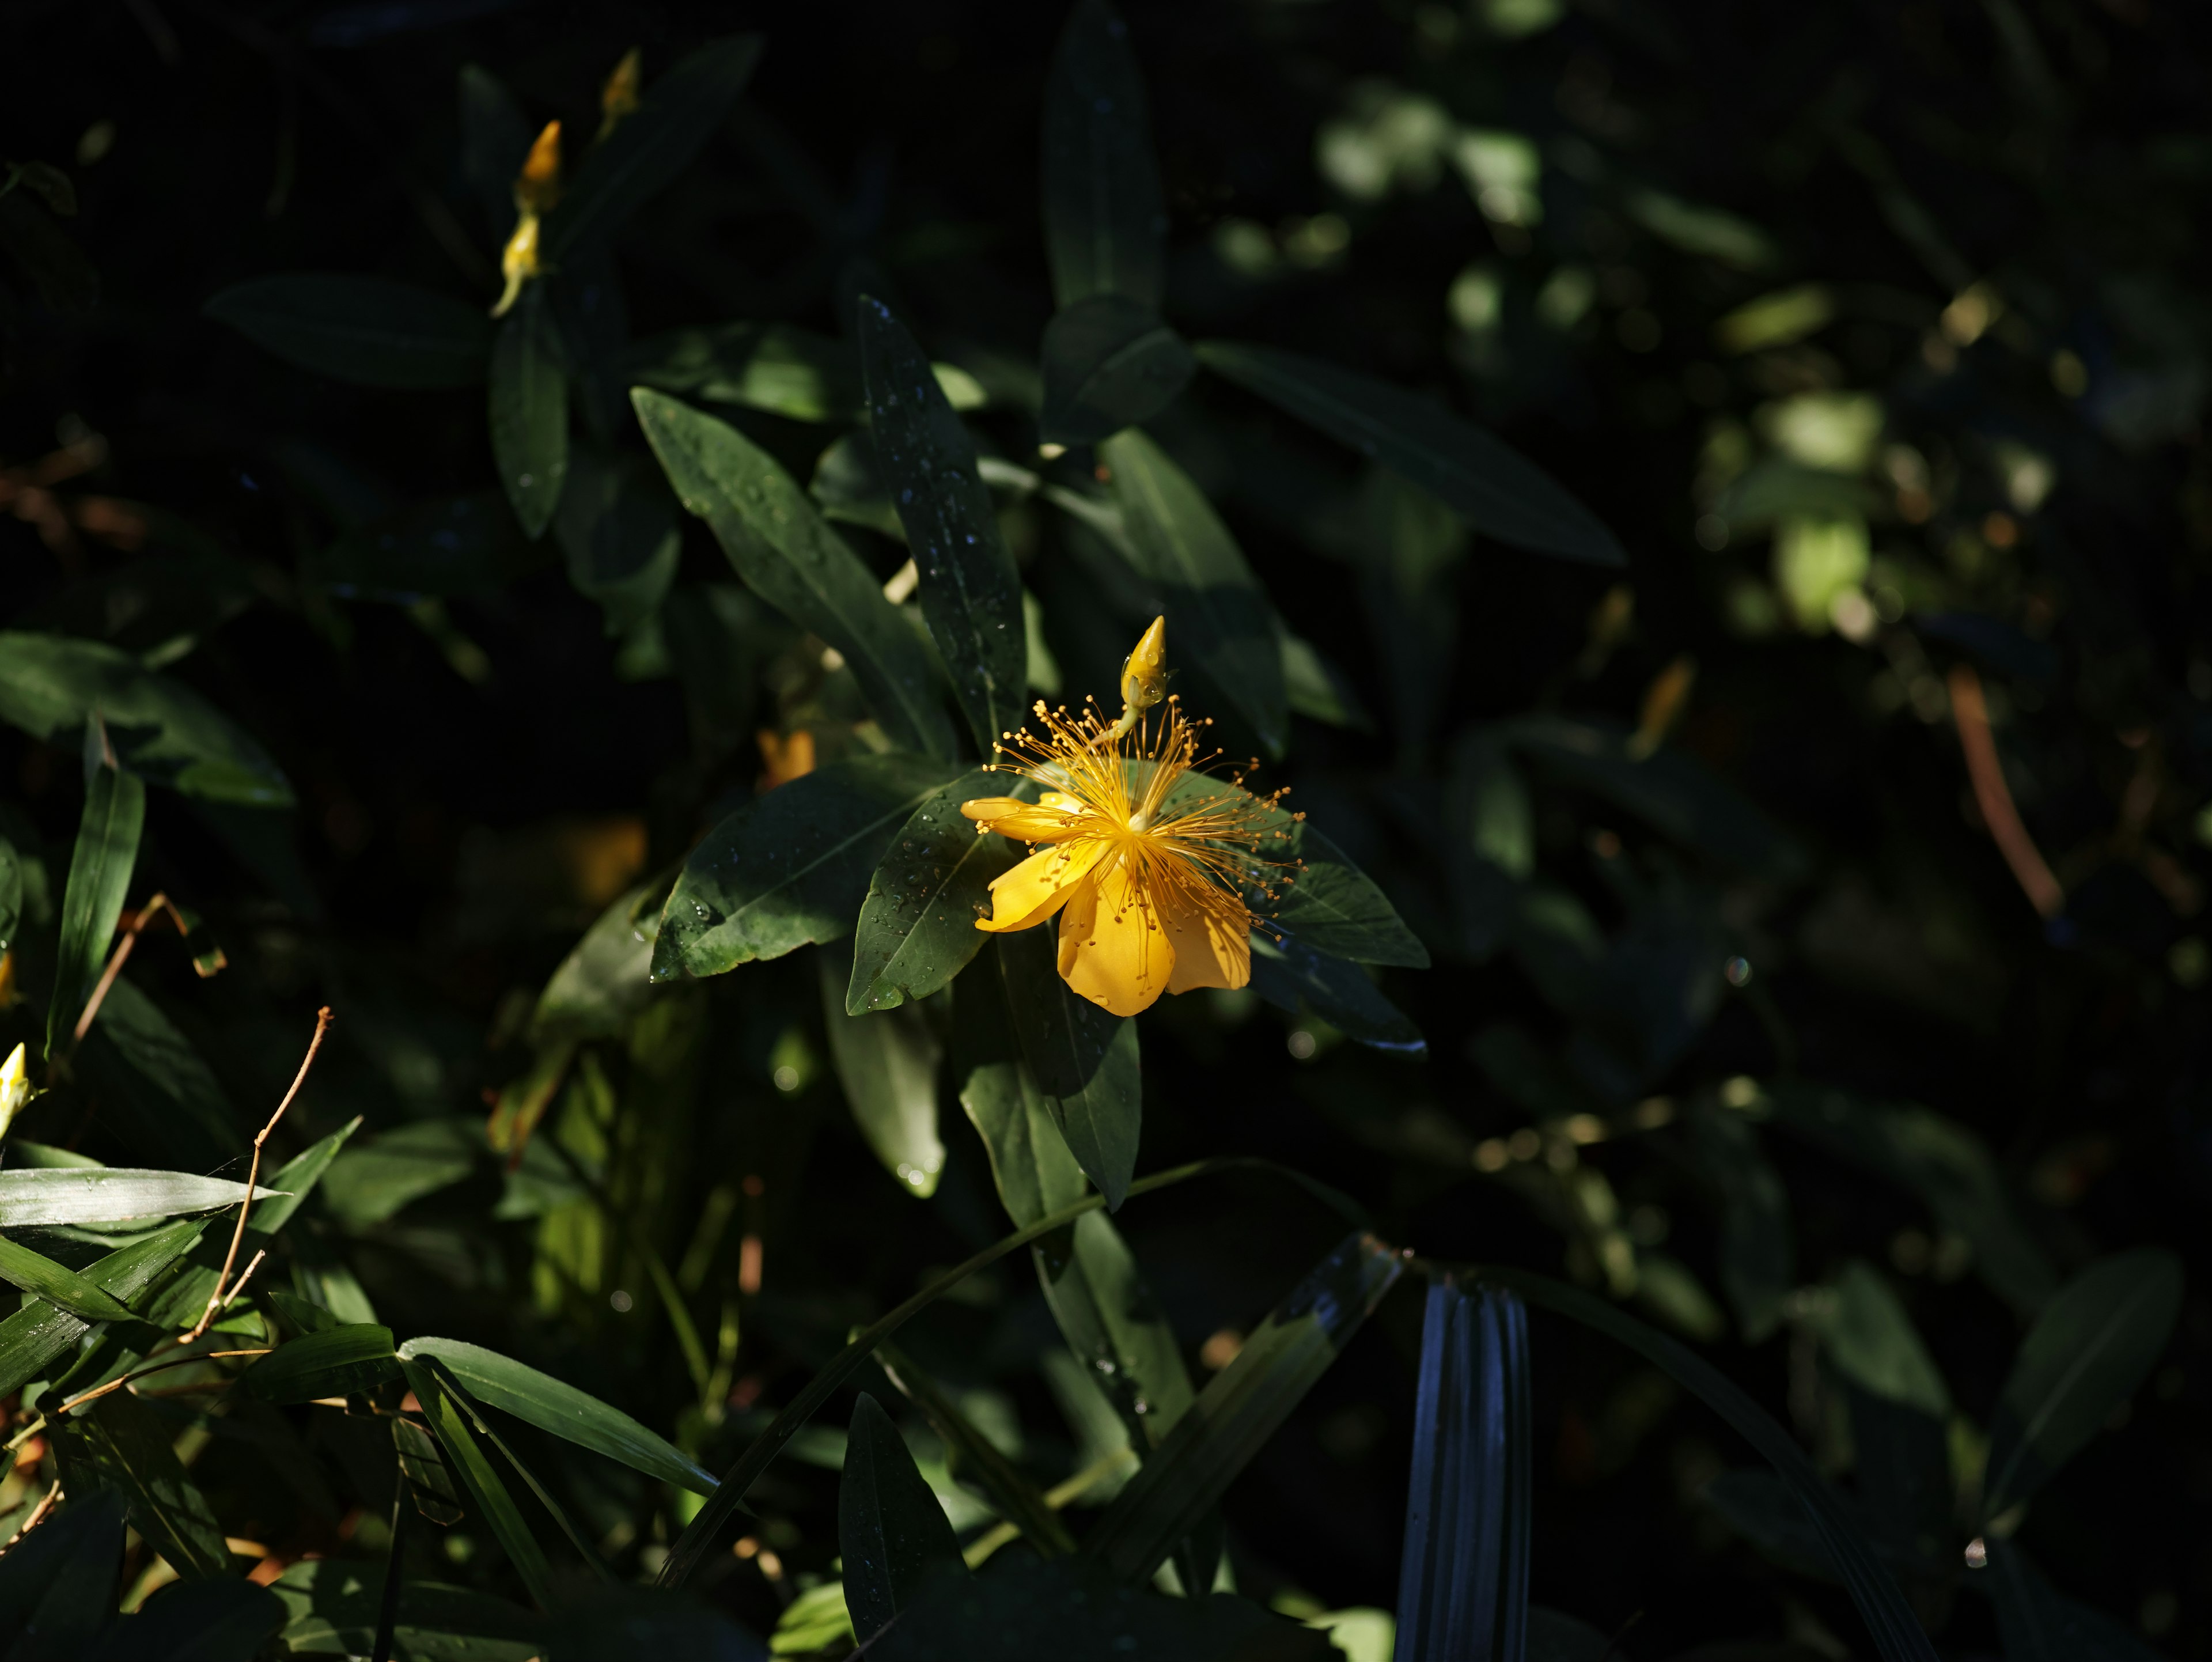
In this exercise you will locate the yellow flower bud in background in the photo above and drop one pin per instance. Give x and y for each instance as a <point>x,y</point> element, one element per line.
<point>618,98</point>
<point>537,188</point>
<point>14,1088</point>
<point>1144,671</point>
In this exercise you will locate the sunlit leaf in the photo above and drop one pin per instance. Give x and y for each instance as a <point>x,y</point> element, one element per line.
<point>99,881</point>
<point>970,596</point>
<point>789,556</point>
<point>486,1493</point>
<point>335,1362</point>
<point>297,1180</point>
<point>1030,1164</point>
<point>162,729</point>
<point>2090,1349</point>
<point>679,112</point>
<point>886,1061</point>
<point>891,1529</point>
<point>917,928</point>
<point>1083,1059</point>
<point>370,1181</point>
<point>37,1336</point>
<point>58,1284</point>
<point>789,868</point>
<point>367,330</point>
<point>1501,493</point>
<point>43,1197</point>
<point>529,409</point>
<point>1218,614</point>
<point>1213,1441</point>
<point>1109,362</point>
<point>1104,218</point>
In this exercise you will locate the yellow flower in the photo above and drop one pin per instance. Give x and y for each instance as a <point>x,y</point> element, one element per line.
<point>1148,884</point>
<point>14,1088</point>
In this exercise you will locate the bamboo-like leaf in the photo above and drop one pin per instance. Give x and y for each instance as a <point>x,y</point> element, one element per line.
<point>333,1604</point>
<point>47,1197</point>
<point>529,406</point>
<point>552,1405</point>
<point>1186,1477</point>
<point>297,1180</point>
<point>789,868</point>
<point>887,1064</point>
<point>58,1284</point>
<point>466,1460</point>
<point>1897,1633</point>
<point>356,1356</point>
<point>1105,218</point>
<point>36,1336</point>
<point>788,555</point>
<point>891,1529</point>
<point>1083,1058</point>
<point>2089,1350</point>
<point>971,597</point>
<point>1499,491</point>
<point>917,928</point>
<point>98,881</point>
<point>975,1457</point>
<point>370,331</point>
<point>119,1444</point>
<point>156,1089</point>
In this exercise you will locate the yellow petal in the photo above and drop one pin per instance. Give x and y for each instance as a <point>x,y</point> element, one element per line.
<point>1213,937</point>
<point>1039,887</point>
<point>1009,817</point>
<point>1112,948</point>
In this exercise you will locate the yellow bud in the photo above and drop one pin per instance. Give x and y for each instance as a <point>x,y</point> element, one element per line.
<point>618,98</point>
<point>518,262</point>
<point>1144,671</point>
<point>537,187</point>
<point>14,1088</point>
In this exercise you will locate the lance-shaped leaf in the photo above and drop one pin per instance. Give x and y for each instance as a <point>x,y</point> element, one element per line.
<point>367,330</point>
<point>1897,1633</point>
<point>58,1284</point>
<point>59,1581</point>
<point>1757,1247</point>
<point>1463,1572</point>
<point>99,880</point>
<point>46,1197</point>
<point>891,1529</point>
<point>789,868</point>
<point>1289,974</point>
<point>971,597</point>
<point>556,1406</point>
<point>333,1604</point>
<point>917,928</point>
<point>1083,1058</point>
<point>1109,362</point>
<point>1871,1341</point>
<point>154,1087</point>
<point>1105,221</point>
<point>617,528</point>
<point>1116,1328</point>
<point>975,1457</point>
<point>1501,492</point>
<point>887,1064</point>
<point>120,1444</point>
<point>655,143</point>
<point>1030,1164</point>
<point>335,1362</point>
<point>777,367</point>
<point>2089,1350</point>
<point>162,729</point>
<point>39,1335</point>
<point>1187,1475</point>
<point>1218,614</point>
<point>465,1459</point>
<point>789,556</point>
<point>529,406</point>
<point>297,1180</point>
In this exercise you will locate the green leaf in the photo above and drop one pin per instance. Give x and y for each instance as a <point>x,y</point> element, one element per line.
<point>367,1184</point>
<point>299,1314</point>
<point>156,1087</point>
<point>2091,1349</point>
<point>12,892</point>
<point>1105,221</point>
<point>436,549</point>
<point>98,881</point>
<point>36,1336</point>
<point>1757,1247</point>
<point>1109,362</point>
<point>162,729</point>
<point>1218,614</point>
<point>58,1284</point>
<point>790,867</point>
<point>1500,492</point>
<point>917,928</point>
<point>788,555</point>
<point>1084,1059</point>
<point>356,1356</point>
<point>554,1406</point>
<point>465,1460</point>
<point>333,1604</point>
<point>617,527</point>
<point>45,1197</point>
<point>891,1529</point>
<point>297,1180</point>
<point>971,597</point>
<point>606,978</point>
<point>1190,1470</point>
<point>1289,974</point>
<point>225,1620</point>
<point>887,1064</point>
<point>367,330</point>
<point>974,1460</point>
<point>1030,1164</point>
<point>680,112</point>
<point>1897,1633</point>
<point>1871,1341</point>
<point>120,1443</point>
<point>59,1581</point>
<point>2037,1623</point>
<point>1116,1327</point>
<point>779,367</point>
<point>528,406</point>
